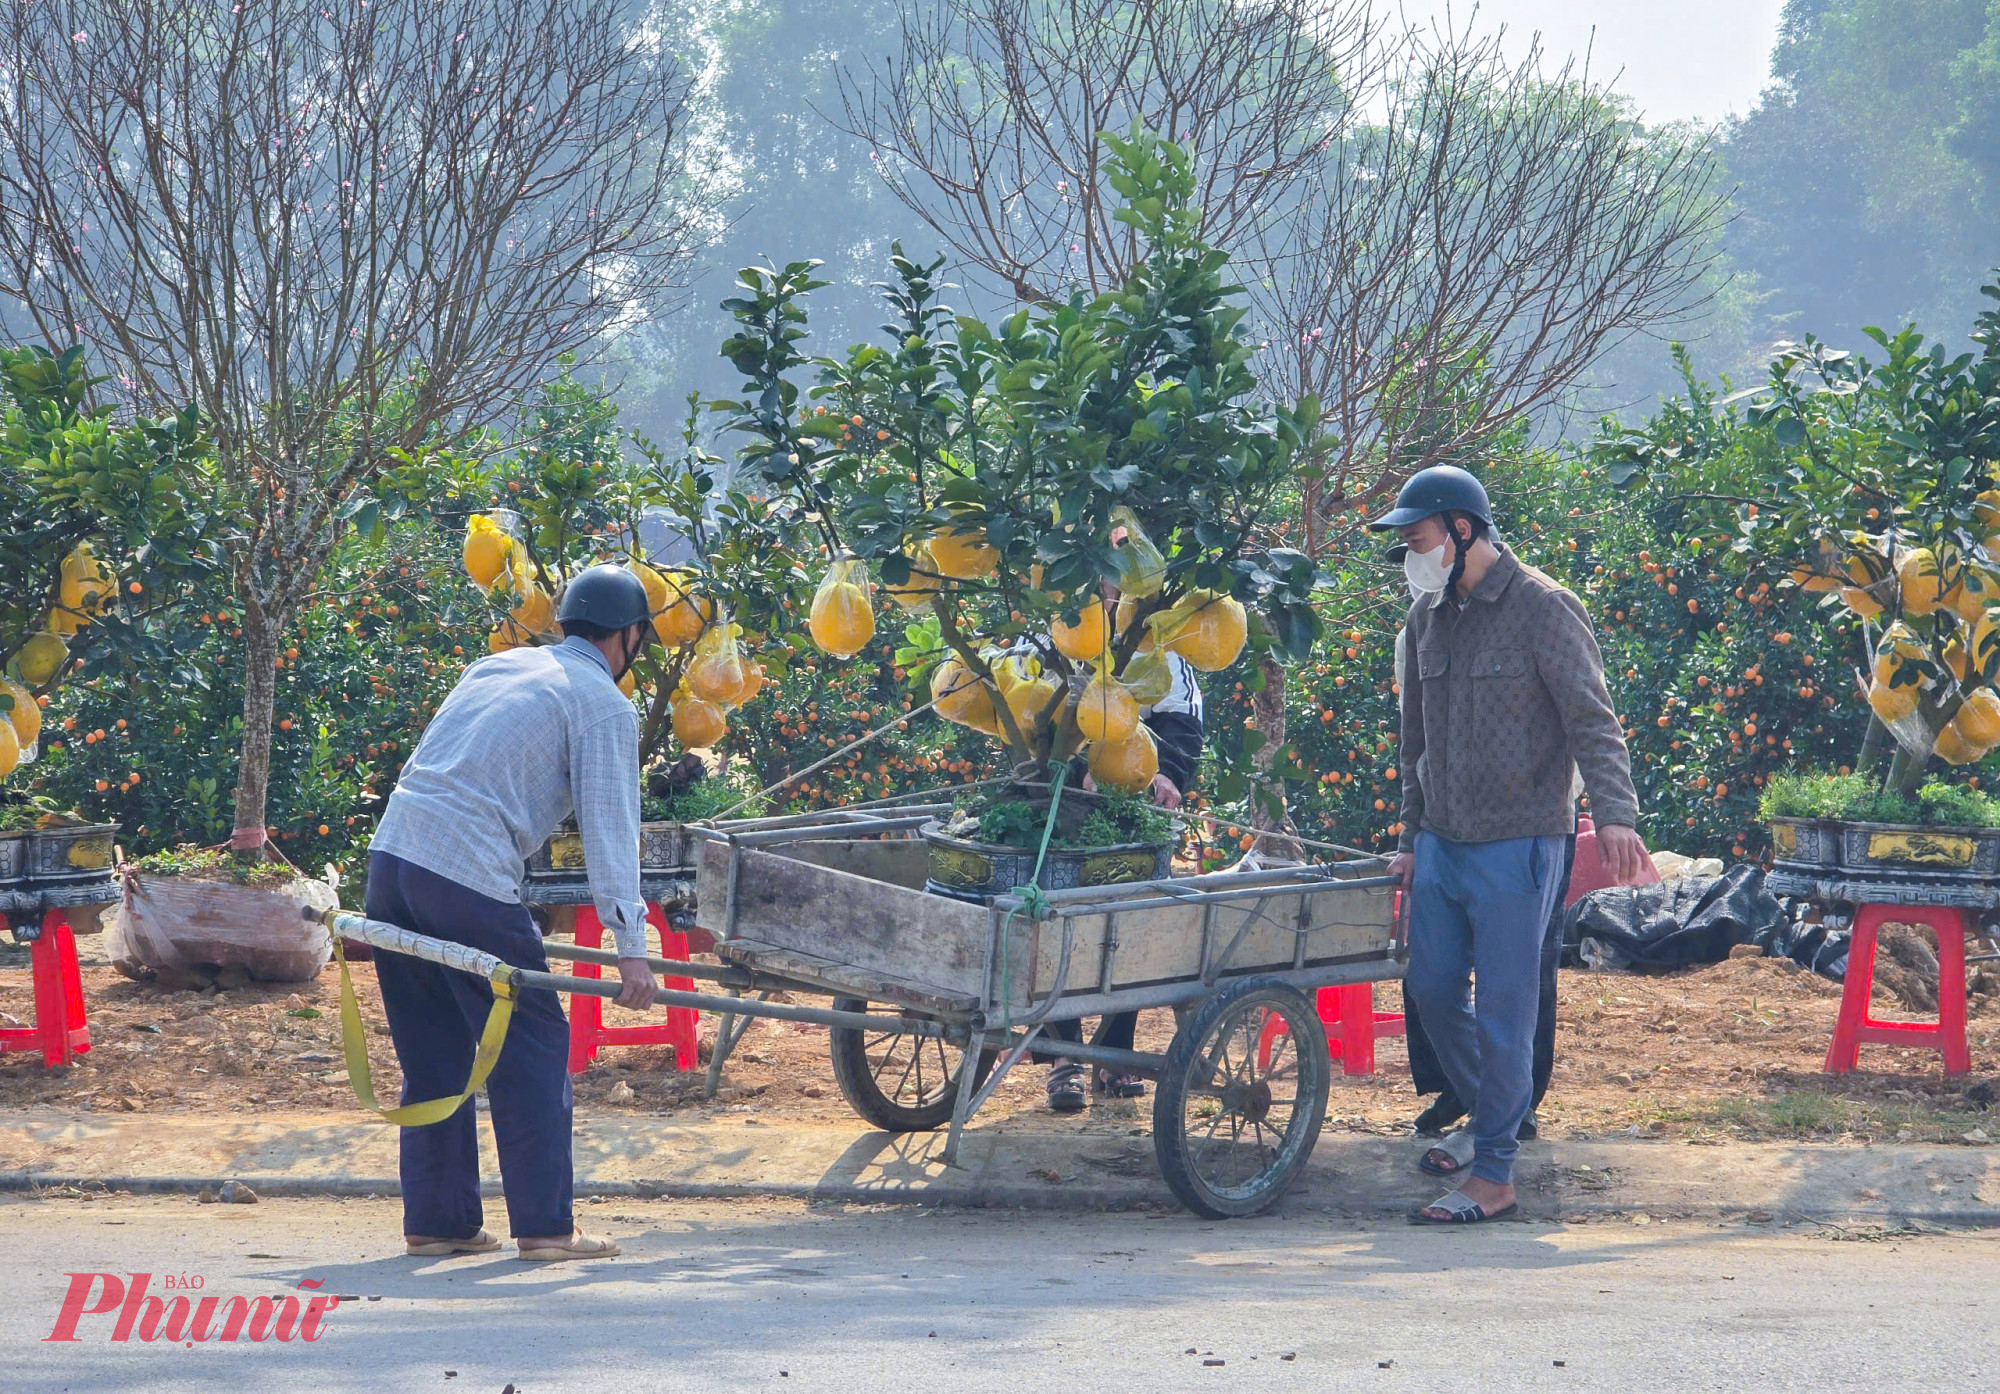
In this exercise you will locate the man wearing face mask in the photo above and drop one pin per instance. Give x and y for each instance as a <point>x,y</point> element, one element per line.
<point>526,738</point>
<point>1504,693</point>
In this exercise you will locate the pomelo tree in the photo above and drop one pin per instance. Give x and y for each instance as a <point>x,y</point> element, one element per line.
<point>998,483</point>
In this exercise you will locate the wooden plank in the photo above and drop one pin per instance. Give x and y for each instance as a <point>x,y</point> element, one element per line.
<point>875,926</point>
<point>840,977</point>
<point>900,861</point>
<point>1164,944</point>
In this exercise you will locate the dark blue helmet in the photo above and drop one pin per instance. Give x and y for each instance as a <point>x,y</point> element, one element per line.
<point>607,596</point>
<point>1439,489</point>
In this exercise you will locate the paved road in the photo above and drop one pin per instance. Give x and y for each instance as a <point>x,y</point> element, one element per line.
<point>726,1296</point>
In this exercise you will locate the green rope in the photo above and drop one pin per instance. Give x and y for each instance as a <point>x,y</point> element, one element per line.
<point>1030,896</point>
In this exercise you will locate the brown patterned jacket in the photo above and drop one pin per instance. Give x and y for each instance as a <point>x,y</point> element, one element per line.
<point>1502,694</point>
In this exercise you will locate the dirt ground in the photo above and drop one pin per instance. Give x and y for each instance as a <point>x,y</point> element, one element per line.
<point>1731,1050</point>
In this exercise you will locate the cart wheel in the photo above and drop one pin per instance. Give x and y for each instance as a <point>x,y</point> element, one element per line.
<point>898,1080</point>
<point>1237,1113</point>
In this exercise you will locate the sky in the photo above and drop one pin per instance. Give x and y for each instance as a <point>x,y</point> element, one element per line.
<point>1680,59</point>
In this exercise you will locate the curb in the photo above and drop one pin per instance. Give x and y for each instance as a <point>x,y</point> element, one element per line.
<point>980,1198</point>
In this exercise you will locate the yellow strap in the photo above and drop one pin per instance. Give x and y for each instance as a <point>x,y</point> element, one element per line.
<point>427,1111</point>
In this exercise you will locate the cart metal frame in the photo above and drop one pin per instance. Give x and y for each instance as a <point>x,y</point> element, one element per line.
<point>1004,1020</point>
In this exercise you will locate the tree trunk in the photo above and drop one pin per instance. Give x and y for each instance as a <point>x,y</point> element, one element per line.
<point>1269,818</point>
<point>261,640</point>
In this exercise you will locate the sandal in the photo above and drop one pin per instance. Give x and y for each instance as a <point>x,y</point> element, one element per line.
<point>1460,1209</point>
<point>1452,1155</point>
<point>1066,1088</point>
<point>423,1246</point>
<point>579,1246</point>
<point>1119,1085</point>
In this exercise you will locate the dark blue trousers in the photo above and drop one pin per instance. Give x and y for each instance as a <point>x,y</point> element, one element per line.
<point>435,1017</point>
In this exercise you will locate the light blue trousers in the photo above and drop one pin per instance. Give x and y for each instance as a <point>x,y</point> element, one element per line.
<point>1477,912</point>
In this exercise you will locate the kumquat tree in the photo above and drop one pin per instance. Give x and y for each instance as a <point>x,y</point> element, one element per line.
<point>1054,502</point>
<point>1877,485</point>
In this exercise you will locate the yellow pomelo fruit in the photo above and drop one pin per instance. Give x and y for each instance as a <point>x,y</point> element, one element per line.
<point>1977,589</point>
<point>1865,563</point>
<point>1127,616</point>
<point>1149,678</point>
<point>658,593</point>
<point>721,678</point>
<point>629,684</point>
<point>963,556</point>
<point>10,750</point>
<point>922,585</point>
<point>485,551</point>
<point>1082,642</point>
<point>1127,766</point>
<point>1860,602</point>
<point>41,658</point>
<point>698,724</point>
<point>1978,720</point>
<point>1208,630</point>
<point>1822,571</point>
<point>962,698</point>
<point>1986,509</point>
<point>537,611</point>
<point>1105,711</point>
<point>1983,648</point>
<point>1892,704</point>
<point>1921,574</point>
<point>1951,747</point>
<point>1026,691</point>
<point>683,614</point>
<point>25,717</point>
<point>87,584</point>
<point>753,681</point>
<point>1956,659</point>
<point>842,621</point>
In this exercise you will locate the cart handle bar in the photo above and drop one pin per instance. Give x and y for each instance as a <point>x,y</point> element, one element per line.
<point>395,939</point>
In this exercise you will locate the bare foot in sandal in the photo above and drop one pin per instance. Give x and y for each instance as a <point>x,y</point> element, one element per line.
<point>1492,1197</point>
<point>428,1246</point>
<point>559,1249</point>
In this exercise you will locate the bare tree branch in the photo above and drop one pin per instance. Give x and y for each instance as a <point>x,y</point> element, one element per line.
<point>340,235</point>
<point>986,124</point>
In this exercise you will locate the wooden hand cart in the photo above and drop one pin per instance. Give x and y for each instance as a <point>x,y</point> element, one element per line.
<point>834,905</point>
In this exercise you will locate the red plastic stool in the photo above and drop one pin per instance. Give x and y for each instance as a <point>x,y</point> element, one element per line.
<point>587,1031</point>
<point>1352,1026</point>
<point>61,1032</point>
<point>1946,1034</point>
<point>1587,872</point>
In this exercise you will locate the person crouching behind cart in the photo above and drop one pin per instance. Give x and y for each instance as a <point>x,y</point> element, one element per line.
<point>1176,723</point>
<point>527,737</point>
<point>1504,693</point>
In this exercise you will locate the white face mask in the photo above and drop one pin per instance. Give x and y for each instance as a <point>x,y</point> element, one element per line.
<point>1427,571</point>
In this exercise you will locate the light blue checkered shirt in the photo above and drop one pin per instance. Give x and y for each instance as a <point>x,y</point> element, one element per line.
<point>526,738</point>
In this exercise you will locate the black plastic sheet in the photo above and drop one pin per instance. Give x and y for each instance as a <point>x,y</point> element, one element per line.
<point>1674,923</point>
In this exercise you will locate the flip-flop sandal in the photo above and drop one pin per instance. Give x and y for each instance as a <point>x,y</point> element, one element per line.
<point>1459,1209</point>
<point>423,1246</point>
<point>1457,1148</point>
<point>1066,1092</point>
<point>1119,1086</point>
<point>579,1246</point>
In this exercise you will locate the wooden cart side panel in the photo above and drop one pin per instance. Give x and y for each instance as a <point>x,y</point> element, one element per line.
<point>872,926</point>
<point>1165,944</point>
<point>899,861</point>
